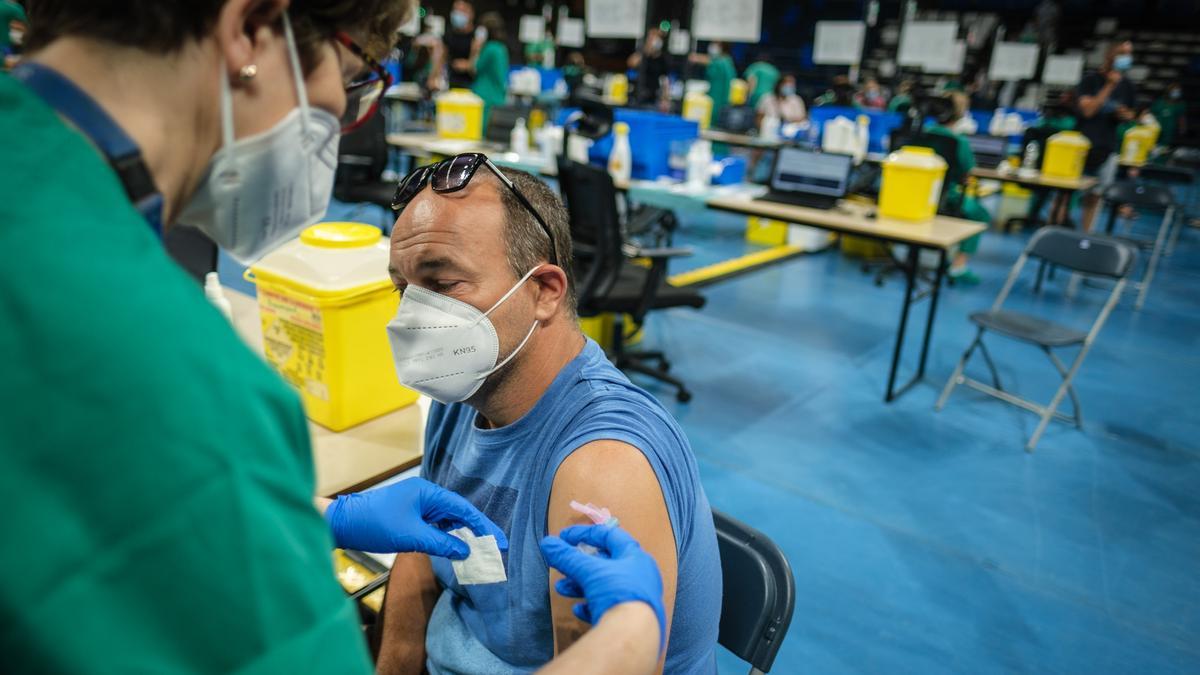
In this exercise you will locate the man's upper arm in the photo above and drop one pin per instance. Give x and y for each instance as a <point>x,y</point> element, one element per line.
<point>616,476</point>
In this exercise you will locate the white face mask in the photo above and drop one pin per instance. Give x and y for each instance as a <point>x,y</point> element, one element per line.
<point>445,348</point>
<point>261,191</point>
<point>714,50</point>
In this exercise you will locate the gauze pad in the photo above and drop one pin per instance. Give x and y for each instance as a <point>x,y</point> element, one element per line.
<point>484,564</point>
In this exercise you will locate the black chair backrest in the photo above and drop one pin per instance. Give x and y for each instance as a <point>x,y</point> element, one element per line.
<point>368,145</point>
<point>502,119</point>
<point>591,200</point>
<point>1086,253</point>
<point>1139,194</point>
<point>759,592</point>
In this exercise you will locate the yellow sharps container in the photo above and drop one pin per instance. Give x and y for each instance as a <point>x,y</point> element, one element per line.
<point>912,184</point>
<point>698,106</point>
<point>1066,153</point>
<point>325,300</point>
<point>739,91</point>
<point>1138,143</point>
<point>459,115</point>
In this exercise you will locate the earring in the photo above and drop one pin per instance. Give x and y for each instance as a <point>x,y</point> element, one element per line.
<point>248,72</point>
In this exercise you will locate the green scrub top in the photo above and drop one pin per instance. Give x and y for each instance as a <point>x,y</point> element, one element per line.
<point>765,75</point>
<point>9,12</point>
<point>899,101</point>
<point>971,208</point>
<point>1168,113</point>
<point>491,76</point>
<point>158,474</point>
<point>720,73</point>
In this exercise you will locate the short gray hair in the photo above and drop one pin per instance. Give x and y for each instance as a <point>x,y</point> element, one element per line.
<point>526,242</point>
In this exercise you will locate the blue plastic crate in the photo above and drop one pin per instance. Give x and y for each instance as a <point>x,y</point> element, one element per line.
<point>650,137</point>
<point>881,123</point>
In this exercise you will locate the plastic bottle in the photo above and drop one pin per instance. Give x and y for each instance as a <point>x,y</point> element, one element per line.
<point>1029,165</point>
<point>996,126</point>
<point>698,161</point>
<point>862,138</point>
<point>770,127</point>
<point>216,295</point>
<point>620,158</point>
<point>518,138</point>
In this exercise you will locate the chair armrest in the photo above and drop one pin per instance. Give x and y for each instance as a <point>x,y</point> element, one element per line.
<point>658,253</point>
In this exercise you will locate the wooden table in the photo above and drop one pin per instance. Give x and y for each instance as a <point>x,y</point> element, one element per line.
<point>1038,181</point>
<point>360,456</point>
<point>939,234</point>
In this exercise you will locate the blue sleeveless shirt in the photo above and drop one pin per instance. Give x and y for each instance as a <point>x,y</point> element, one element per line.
<point>508,473</point>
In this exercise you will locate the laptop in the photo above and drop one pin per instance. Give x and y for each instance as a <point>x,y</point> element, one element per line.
<point>807,178</point>
<point>989,151</point>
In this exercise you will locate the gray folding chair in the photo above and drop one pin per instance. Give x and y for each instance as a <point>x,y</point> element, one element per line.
<point>759,593</point>
<point>1151,197</point>
<point>1084,254</point>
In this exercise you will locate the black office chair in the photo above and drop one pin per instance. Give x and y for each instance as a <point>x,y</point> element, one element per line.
<point>1156,198</point>
<point>759,593</point>
<point>607,281</point>
<point>737,119</point>
<point>362,158</point>
<point>1096,256</point>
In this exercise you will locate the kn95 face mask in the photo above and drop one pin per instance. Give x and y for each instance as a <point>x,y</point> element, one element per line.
<point>446,348</point>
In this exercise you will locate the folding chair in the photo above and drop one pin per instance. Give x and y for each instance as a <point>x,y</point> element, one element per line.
<point>1153,197</point>
<point>1080,253</point>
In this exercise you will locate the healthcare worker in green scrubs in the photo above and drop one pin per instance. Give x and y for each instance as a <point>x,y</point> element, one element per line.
<point>720,73</point>
<point>159,475</point>
<point>960,271</point>
<point>491,64</point>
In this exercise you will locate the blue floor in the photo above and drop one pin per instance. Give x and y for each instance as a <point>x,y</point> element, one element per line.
<point>931,542</point>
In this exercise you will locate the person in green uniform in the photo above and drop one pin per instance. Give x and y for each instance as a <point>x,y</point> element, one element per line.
<point>1171,113</point>
<point>960,271</point>
<point>490,64</point>
<point>720,72</point>
<point>10,13</point>
<point>761,76</point>
<point>902,99</point>
<point>162,472</point>
<point>840,93</point>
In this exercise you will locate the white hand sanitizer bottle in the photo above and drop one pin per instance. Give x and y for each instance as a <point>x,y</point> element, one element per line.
<point>518,138</point>
<point>620,158</point>
<point>216,295</point>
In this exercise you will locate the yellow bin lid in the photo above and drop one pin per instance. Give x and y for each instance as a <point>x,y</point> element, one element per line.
<point>915,157</point>
<point>330,261</point>
<point>1070,138</point>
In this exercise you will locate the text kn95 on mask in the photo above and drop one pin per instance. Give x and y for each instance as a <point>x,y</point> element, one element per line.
<point>484,565</point>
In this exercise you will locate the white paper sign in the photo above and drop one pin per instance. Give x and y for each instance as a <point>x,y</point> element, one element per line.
<point>1063,69</point>
<point>679,42</point>
<point>615,18</point>
<point>532,28</point>
<point>839,43</point>
<point>925,43</point>
<point>731,20</point>
<point>1013,61</point>
<point>954,65</point>
<point>570,32</point>
<point>436,24</point>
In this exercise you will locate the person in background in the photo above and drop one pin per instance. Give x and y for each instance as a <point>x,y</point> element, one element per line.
<point>540,54</point>
<point>872,96</point>
<point>970,208</point>
<point>426,51</point>
<point>840,93</point>
<point>460,44</point>
<point>761,77</point>
<point>783,102</point>
<point>12,20</point>
<point>719,71</point>
<point>1105,100</point>
<point>650,61</point>
<point>490,64</point>
<point>902,101</point>
<point>1171,113</point>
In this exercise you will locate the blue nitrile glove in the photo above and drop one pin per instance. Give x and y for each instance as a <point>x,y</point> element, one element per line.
<point>619,572</point>
<point>407,517</point>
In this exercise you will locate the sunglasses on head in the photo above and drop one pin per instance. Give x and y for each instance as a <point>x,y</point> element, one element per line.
<point>452,175</point>
<point>364,93</point>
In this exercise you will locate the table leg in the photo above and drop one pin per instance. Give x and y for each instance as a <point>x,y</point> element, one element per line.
<point>910,273</point>
<point>933,304</point>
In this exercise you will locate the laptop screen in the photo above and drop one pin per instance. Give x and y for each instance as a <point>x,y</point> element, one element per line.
<point>816,173</point>
<point>989,150</point>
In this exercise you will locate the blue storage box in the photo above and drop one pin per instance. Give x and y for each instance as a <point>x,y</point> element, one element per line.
<point>650,137</point>
<point>881,123</point>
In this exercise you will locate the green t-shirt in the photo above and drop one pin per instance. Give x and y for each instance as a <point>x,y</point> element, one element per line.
<point>1168,113</point>
<point>720,74</point>
<point>158,474</point>
<point>765,75</point>
<point>971,208</point>
<point>491,76</point>
<point>899,101</point>
<point>9,11</point>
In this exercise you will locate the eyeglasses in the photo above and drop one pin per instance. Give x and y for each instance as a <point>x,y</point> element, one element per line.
<point>452,175</point>
<point>364,94</point>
